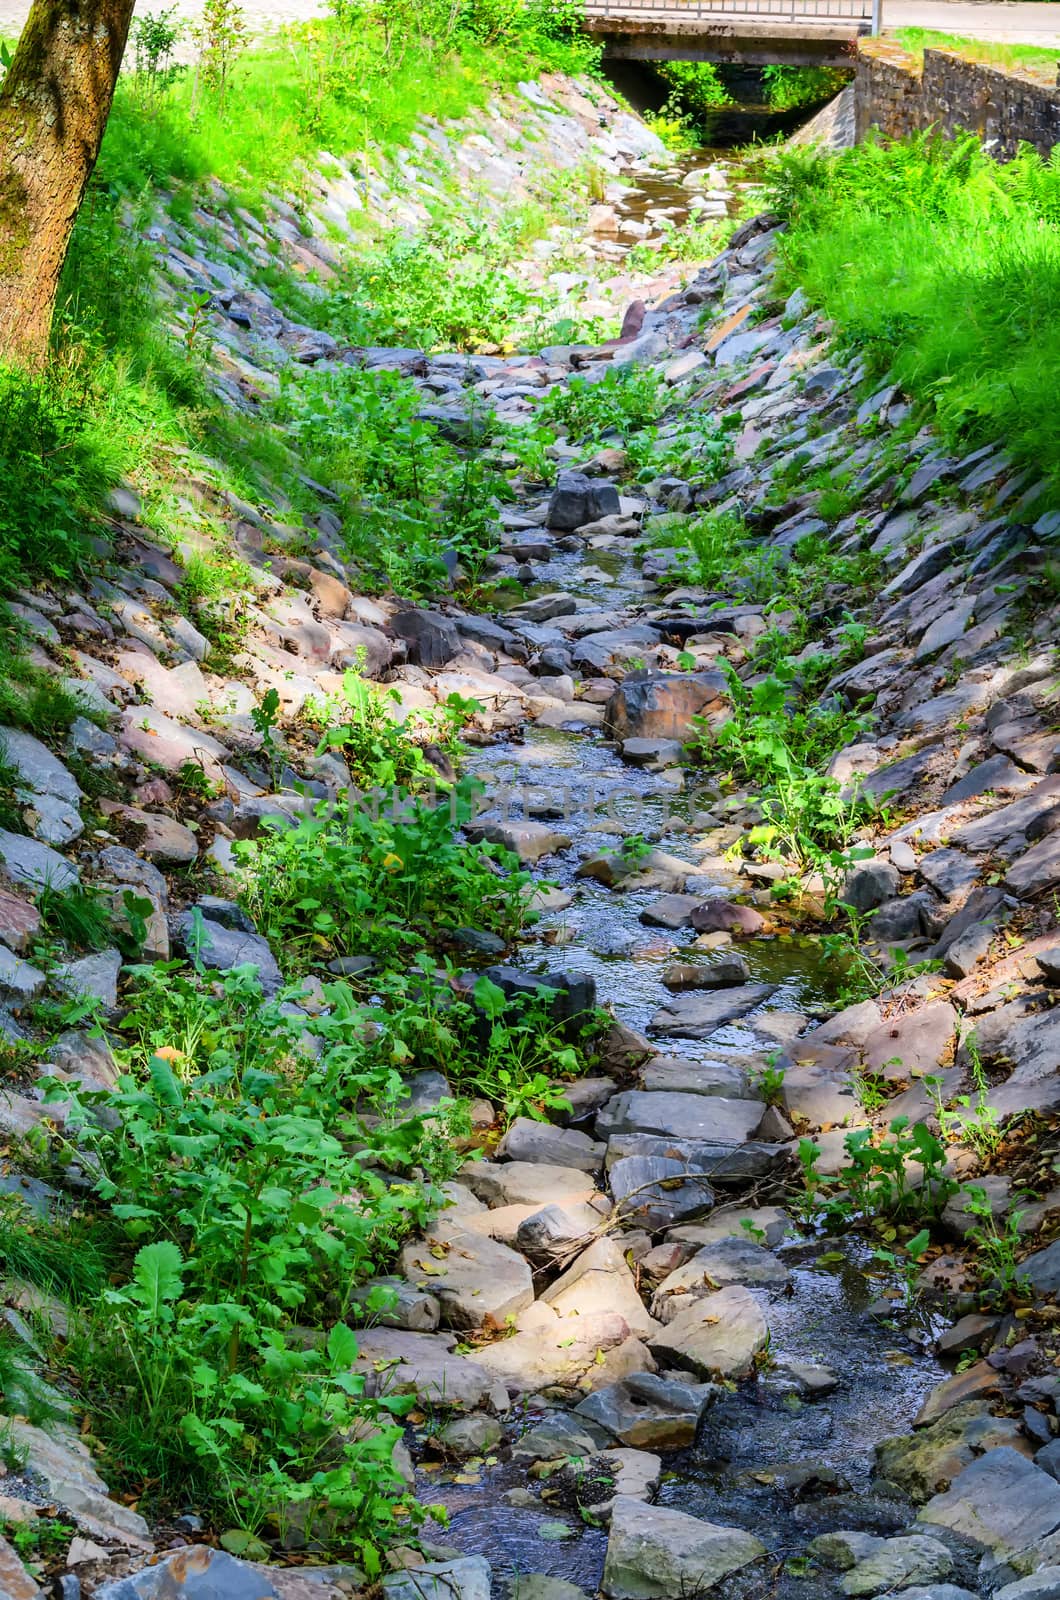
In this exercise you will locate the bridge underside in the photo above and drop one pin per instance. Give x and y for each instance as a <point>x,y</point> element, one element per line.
<point>767,44</point>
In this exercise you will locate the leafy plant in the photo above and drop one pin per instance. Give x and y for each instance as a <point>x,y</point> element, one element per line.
<point>997,1248</point>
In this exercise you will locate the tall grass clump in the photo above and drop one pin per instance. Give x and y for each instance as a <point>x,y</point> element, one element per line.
<point>943,266</point>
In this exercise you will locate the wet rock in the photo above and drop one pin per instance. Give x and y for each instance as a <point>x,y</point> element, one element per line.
<point>1002,1501</point>
<point>924,1463</point>
<point>843,1550</point>
<point>649,1412</point>
<point>530,1141</point>
<point>468,1578</point>
<point>555,1439</point>
<point>717,1336</point>
<point>685,1116</point>
<point>654,1553</point>
<point>724,1163</point>
<point>724,916</point>
<point>726,972</point>
<point>898,1563</point>
<point>670,911</point>
<point>716,1266</point>
<point>473,1435</point>
<point>661,705</point>
<point>698,1015</point>
<point>578,499</point>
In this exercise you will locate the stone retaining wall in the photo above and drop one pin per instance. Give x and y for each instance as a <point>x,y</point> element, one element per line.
<point>897,94</point>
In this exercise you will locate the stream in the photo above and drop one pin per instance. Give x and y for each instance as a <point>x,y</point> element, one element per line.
<point>767,1460</point>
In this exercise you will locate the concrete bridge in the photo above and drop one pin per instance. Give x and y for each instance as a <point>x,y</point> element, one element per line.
<point>756,32</point>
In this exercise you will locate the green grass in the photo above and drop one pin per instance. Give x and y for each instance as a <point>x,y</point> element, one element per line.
<point>943,266</point>
<point>991,51</point>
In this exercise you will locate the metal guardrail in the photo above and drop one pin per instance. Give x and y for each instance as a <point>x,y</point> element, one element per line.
<point>805,12</point>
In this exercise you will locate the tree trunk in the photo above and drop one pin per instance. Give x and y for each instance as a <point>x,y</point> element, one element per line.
<point>54,105</point>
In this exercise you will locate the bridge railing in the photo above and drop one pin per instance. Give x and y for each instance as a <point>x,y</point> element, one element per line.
<point>788,11</point>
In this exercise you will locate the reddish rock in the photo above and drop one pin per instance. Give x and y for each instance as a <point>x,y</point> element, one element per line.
<point>661,705</point>
<point>724,916</point>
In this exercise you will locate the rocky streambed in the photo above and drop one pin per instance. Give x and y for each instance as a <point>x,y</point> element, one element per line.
<point>640,1364</point>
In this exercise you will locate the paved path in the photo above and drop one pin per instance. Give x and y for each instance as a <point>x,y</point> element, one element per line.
<point>1019,22</point>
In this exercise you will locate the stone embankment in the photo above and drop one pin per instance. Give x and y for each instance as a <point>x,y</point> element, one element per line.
<point>684,1366</point>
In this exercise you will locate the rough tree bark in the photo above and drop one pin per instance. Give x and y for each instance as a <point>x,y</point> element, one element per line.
<point>54,105</point>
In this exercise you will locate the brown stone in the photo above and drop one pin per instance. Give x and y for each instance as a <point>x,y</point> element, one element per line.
<point>19,921</point>
<point>971,1385</point>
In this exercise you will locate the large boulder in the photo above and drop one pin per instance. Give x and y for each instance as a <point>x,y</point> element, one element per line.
<point>649,1412</point>
<point>717,1336</point>
<point>661,705</point>
<point>1002,1502</point>
<point>578,499</point>
<point>654,1553</point>
<point>477,1282</point>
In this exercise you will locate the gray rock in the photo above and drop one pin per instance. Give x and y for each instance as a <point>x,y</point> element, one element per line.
<point>195,1573</point>
<point>661,705</point>
<point>473,1435</point>
<point>433,640</point>
<point>393,1303</point>
<point>468,1578</point>
<point>535,1586</point>
<point>221,949</point>
<point>527,1140</point>
<point>843,1550</point>
<point>556,1439</point>
<point>721,1162</point>
<point>717,1336</point>
<point>578,499</point>
<point>39,770</point>
<point>20,981</point>
<point>1001,1501</point>
<point>677,1074</point>
<point>1042,1270</point>
<point>949,872</point>
<point>94,977</point>
<point>477,1281</point>
<point>870,884</point>
<point>716,1266</point>
<point>654,1553</point>
<point>938,1591</point>
<point>649,1412</point>
<point>52,820</point>
<point>1041,1585</point>
<point>654,1192</point>
<point>919,1558</point>
<point>710,1118</point>
<point>1048,1458</point>
<point>396,1362</point>
<point>527,1183</point>
<point>34,864</point>
<point>697,1015</point>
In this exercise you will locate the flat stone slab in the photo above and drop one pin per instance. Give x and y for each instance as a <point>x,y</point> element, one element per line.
<point>526,1183</point>
<point>400,1362</point>
<point>654,1553</point>
<point>698,1014</point>
<point>552,1352</point>
<point>683,1116</point>
<point>34,864</point>
<point>600,1280</point>
<point>676,1074</point>
<point>476,1281</point>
